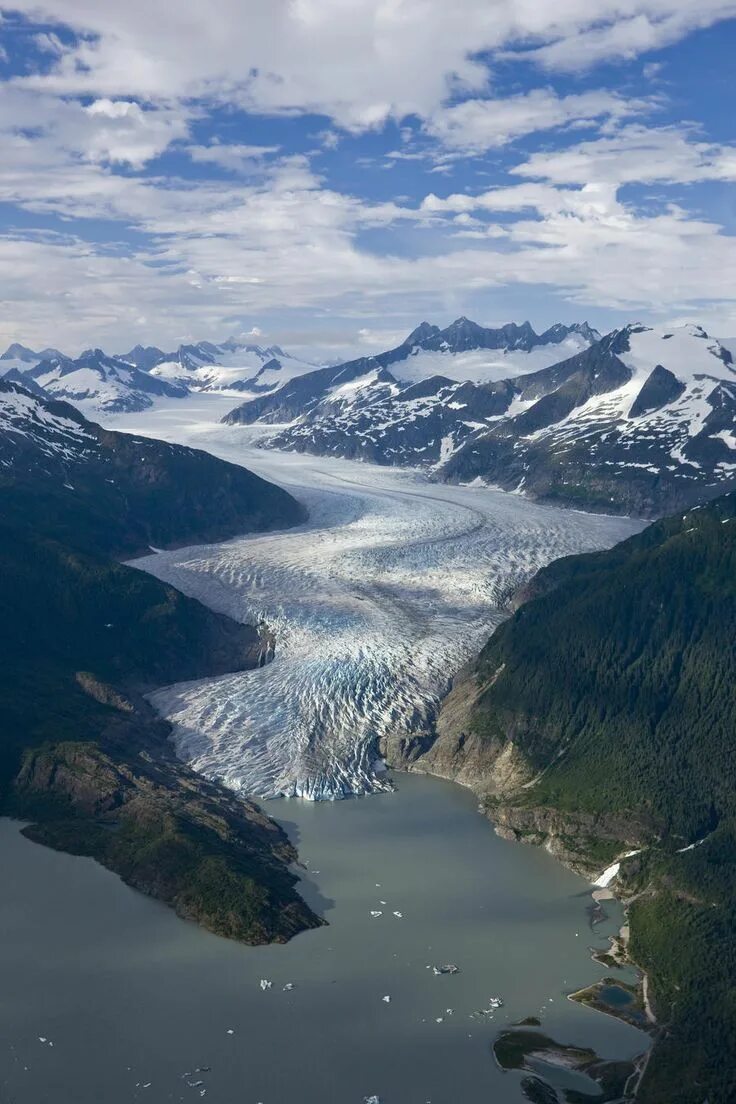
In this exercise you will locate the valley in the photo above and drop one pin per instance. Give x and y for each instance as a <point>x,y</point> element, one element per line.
<point>393,584</point>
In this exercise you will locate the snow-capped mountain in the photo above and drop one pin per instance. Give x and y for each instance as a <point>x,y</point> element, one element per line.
<point>228,367</point>
<point>131,381</point>
<point>644,422</point>
<point>21,358</point>
<point>641,421</point>
<point>100,382</point>
<point>143,356</point>
<point>463,351</point>
<point>35,433</point>
<point>68,479</point>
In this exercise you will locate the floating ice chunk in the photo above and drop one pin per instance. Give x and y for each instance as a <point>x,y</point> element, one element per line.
<point>386,999</point>
<point>439,1019</point>
<point>266,984</point>
<point>382,902</point>
<point>448,968</point>
<point>289,986</point>
<point>371,1100</point>
<point>376,912</point>
<point>42,1039</point>
<point>398,914</point>
<point>230,1031</point>
<point>449,1011</point>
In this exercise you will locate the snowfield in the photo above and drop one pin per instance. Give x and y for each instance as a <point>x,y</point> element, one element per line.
<point>392,585</point>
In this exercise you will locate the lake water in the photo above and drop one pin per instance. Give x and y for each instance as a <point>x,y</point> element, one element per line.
<point>133,999</point>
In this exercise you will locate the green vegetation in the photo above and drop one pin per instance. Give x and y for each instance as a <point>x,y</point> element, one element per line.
<point>216,859</point>
<point>616,683</point>
<point>66,612</point>
<point>81,752</point>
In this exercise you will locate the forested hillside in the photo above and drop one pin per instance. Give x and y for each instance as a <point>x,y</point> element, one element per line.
<point>601,718</point>
<point>81,751</point>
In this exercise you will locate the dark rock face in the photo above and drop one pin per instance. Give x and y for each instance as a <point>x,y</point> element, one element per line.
<point>606,456</point>
<point>660,389</point>
<point>144,357</point>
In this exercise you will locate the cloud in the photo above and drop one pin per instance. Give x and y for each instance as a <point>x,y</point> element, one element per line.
<point>235,157</point>
<point>642,28</point>
<point>243,251</point>
<point>358,61</point>
<point>48,129</point>
<point>171,257</point>
<point>636,154</point>
<point>474,125</point>
<point>122,131</point>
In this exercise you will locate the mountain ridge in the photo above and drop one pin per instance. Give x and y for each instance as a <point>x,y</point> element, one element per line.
<point>610,428</point>
<point>82,755</point>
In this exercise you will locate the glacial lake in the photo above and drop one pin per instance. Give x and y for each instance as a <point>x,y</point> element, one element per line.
<point>134,1000</point>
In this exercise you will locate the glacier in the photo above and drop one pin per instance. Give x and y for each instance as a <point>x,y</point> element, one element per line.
<point>375,603</point>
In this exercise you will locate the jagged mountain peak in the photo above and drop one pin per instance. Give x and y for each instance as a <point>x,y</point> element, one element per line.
<point>143,356</point>
<point>642,420</point>
<point>21,355</point>
<point>94,355</point>
<point>423,331</point>
<point>101,381</point>
<point>16,351</point>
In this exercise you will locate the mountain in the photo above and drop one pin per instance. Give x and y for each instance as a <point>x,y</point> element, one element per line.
<point>598,721</point>
<point>22,353</point>
<point>15,375</point>
<point>230,366</point>
<point>641,421</point>
<point>463,351</point>
<point>82,755</point>
<point>143,356</point>
<point>132,381</point>
<point>66,477</point>
<point>20,357</point>
<point>463,335</point>
<point>101,382</point>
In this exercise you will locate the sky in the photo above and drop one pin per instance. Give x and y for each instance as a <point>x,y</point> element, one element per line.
<point>327,173</point>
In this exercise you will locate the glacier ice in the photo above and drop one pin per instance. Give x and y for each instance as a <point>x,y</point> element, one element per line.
<point>375,604</point>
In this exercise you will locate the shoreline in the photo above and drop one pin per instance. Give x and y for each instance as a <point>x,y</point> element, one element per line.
<point>598,894</point>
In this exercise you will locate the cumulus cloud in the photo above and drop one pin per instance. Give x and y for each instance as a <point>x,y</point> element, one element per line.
<point>219,253</point>
<point>270,235</point>
<point>358,61</point>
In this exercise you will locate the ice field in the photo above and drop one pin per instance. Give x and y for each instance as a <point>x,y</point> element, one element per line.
<point>376,602</point>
